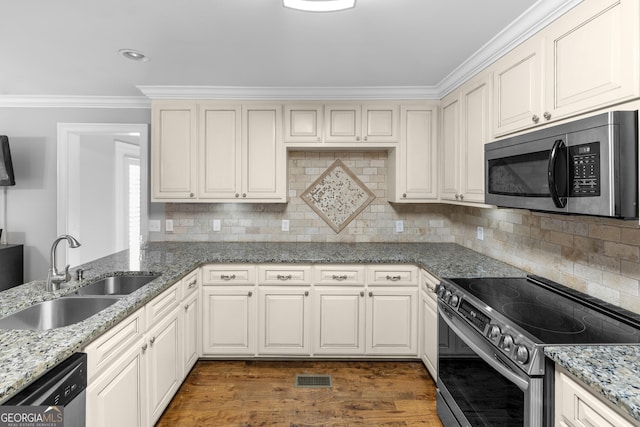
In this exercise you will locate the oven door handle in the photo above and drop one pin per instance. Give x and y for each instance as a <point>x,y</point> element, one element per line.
<point>493,360</point>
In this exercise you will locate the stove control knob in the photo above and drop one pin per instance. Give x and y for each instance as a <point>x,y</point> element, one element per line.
<point>440,291</point>
<point>494,332</point>
<point>522,354</point>
<point>447,296</point>
<point>454,300</point>
<point>507,343</point>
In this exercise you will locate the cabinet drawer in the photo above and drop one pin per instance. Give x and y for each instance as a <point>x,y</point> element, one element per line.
<point>284,275</point>
<point>339,275</point>
<point>110,345</point>
<point>429,284</point>
<point>158,307</point>
<point>228,275</point>
<point>405,275</point>
<point>189,284</point>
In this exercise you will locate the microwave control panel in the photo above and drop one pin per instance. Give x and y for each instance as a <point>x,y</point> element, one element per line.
<point>584,165</point>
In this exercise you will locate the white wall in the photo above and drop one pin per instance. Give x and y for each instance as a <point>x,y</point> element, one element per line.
<point>31,217</point>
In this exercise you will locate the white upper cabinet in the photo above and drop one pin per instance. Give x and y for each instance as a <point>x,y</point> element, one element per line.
<point>465,130</point>
<point>238,147</point>
<point>414,164</point>
<point>585,60</point>
<point>173,150</point>
<point>345,124</point>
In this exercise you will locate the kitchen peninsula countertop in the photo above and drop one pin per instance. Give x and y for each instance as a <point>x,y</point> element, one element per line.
<point>610,372</point>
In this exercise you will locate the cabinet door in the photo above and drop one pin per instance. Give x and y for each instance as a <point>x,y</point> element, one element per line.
<point>517,88</point>
<point>392,319</point>
<point>339,319</point>
<point>173,151</point>
<point>592,57</point>
<point>190,332</point>
<point>416,162</point>
<point>343,123</point>
<point>220,154</point>
<point>303,122</point>
<point>284,315</point>
<point>229,321</point>
<point>380,122</point>
<point>264,158</point>
<point>429,336</point>
<point>117,397</point>
<point>475,133</point>
<point>449,149</point>
<point>164,364</point>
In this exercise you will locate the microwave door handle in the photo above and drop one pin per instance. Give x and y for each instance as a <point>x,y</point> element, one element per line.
<point>560,202</point>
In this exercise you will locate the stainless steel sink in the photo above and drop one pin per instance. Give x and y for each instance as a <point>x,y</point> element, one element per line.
<point>56,313</point>
<point>117,285</point>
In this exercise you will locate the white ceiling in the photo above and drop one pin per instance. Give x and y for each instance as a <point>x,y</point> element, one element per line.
<point>69,47</point>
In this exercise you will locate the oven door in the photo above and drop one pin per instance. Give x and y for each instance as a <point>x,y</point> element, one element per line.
<point>478,386</point>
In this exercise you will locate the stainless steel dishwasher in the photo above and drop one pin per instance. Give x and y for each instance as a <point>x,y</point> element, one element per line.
<point>64,387</point>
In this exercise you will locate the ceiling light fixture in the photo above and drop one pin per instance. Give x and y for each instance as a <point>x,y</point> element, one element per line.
<point>133,55</point>
<point>319,5</point>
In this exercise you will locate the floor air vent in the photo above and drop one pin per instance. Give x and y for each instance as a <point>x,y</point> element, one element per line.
<point>313,381</point>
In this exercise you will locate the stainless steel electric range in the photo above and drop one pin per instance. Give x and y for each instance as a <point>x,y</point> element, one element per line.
<point>492,333</point>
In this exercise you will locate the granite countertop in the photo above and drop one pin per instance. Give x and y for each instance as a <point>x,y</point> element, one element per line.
<point>610,372</point>
<point>25,355</point>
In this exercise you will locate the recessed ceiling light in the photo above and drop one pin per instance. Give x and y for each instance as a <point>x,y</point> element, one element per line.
<point>319,5</point>
<point>133,55</point>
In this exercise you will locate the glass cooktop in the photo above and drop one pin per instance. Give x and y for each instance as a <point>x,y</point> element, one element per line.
<point>553,313</point>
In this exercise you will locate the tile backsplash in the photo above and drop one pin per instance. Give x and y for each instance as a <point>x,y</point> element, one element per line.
<point>597,256</point>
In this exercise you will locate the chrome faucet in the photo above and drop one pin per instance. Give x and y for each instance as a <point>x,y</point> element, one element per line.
<point>54,277</point>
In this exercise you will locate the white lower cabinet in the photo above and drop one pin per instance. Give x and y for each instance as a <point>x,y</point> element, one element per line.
<point>429,324</point>
<point>134,371</point>
<point>392,321</point>
<point>284,320</point>
<point>339,320</point>
<point>164,364</point>
<point>575,406</point>
<point>229,320</point>
<point>117,396</point>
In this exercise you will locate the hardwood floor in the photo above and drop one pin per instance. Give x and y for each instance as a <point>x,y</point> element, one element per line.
<point>262,393</point>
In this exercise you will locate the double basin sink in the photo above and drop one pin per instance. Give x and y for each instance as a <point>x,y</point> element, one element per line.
<point>78,306</point>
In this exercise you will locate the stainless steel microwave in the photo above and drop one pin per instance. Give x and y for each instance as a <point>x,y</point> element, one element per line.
<point>588,167</point>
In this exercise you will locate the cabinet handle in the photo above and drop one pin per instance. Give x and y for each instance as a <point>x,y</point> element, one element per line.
<point>339,278</point>
<point>357,138</point>
<point>283,277</point>
<point>366,138</point>
<point>306,293</point>
<point>457,196</point>
<point>461,196</point>
<point>547,115</point>
<point>361,293</point>
<point>535,118</point>
<point>404,195</point>
<point>394,278</point>
<point>191,194</point>
<point>244,195</point>
<point>152,340</point>
<point>319,139</point>
<point>144,347</point>
<point>186,307</point>
<point>250,294</point>
<point>370,294</point>
<point>227,277</point>
<point>237,195</point>
<point>193,284</point>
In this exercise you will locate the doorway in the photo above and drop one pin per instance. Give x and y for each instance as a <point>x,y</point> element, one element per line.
<point>102,189</point>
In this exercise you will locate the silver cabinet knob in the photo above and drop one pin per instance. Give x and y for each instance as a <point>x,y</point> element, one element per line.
<point>237,195</point>
<point>244,195</point>
<point>535,118</point>
<point>457,196</point>
<point>366,138</point>
<point>370,294</point>
<point>191,195</point>
<point>152,340</point>
<point>404,195</point>
<point>547,115</point>
<point>144,347</point>
<point>319,139</point>
<point>461,196</point>
<point>249,294</point>
<point>306,293</point>
<point>361,293</point>
<point>357,138</point>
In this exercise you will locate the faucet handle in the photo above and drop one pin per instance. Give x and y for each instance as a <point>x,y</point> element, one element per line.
<point>67,275</point>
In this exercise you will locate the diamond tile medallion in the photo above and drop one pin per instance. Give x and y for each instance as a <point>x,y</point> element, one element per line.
<point>338,196</point>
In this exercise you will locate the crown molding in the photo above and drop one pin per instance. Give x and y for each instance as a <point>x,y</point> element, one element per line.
<point>289,93</point>
<point>534,19</point>
<point>62,101</point>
